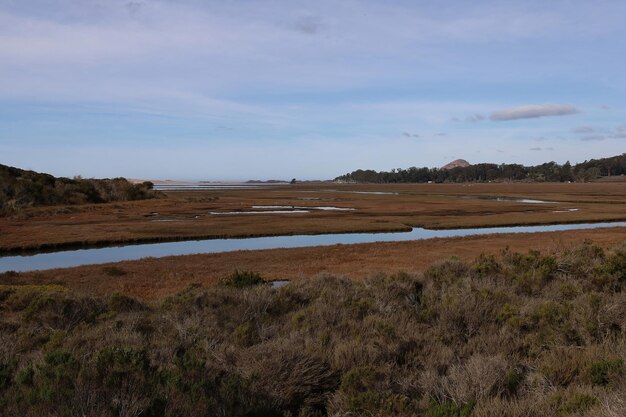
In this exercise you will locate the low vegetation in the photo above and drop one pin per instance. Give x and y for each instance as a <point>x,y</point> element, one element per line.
<point>510,335</point>
<point>550,171</point>
<point>20,189</point>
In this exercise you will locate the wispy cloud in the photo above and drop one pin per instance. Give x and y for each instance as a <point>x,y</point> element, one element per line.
<point>282,73</point>
<point>309,25</point>
<point>593,138</point>
<point>619,133</point>
<point>537,148</point>
<point>583,129</point>
<point>533,111</point>
<point>475,118</point>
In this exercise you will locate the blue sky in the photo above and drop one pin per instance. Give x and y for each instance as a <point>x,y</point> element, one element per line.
<point>241,89</point>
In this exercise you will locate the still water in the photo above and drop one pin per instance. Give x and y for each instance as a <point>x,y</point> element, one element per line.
<point>68,258</point>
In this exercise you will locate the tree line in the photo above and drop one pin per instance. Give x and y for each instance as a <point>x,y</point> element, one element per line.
<point>549,171</point>
<point>20,188</point>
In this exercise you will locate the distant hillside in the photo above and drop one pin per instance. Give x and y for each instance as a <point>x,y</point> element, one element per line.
<point>20,188</point>
<point>458,171</point>
<point>456,163</point>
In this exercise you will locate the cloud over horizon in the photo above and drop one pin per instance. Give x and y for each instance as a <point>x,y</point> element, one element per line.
<point>533,111</point>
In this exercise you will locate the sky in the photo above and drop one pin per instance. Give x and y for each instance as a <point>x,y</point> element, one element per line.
<point>238,89</point>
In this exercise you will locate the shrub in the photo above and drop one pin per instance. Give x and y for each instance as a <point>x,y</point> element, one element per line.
<point>57,377</point>
<point>113,271</point>
<point>604,371</point>
<point>60,311</point>
<point>121,303</point>
<point>449,409</point>
<point>6,374</point>
<point>616,264</point>
<point>25,376</point>
<point>240,279</point>
<point>245,335</point>
<point>512,380</point>
<point>455,341</point>
<point>5,293</point>
<point>562,366</point>
<point>293,379</point>
<point>577,403</point>
<point>486,265</point>
<point>4,276</point>
<point>446,272</point>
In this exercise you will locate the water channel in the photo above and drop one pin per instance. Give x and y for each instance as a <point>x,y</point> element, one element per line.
<point>69,258</point>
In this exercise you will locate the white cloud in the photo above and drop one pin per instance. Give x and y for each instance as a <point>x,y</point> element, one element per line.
<point>533,111</point>
<point>583,129</point>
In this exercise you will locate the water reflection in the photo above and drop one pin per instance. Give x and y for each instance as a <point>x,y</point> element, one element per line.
<point>70,258</point>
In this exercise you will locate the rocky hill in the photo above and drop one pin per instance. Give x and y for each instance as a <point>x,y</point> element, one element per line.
<point>456,164</point>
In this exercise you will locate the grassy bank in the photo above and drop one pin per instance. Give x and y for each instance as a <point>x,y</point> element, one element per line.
<point>513,335</point>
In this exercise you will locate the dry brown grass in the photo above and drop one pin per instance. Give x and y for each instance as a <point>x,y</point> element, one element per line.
<point>428,205</point>
<point>155,278</point>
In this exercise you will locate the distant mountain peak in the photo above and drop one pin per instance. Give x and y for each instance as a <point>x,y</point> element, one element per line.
<point>456,163</point>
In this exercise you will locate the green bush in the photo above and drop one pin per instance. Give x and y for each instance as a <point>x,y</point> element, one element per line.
<point>25,376</point>
<point>240,279</point>
<point>486,265</point>
<point>115,364</point>
<point>512,380</point>
<point>6,374</point>
<point>61,311</point>
<point>56,377</point>
<point>616,264</point>
<point>403,345</point>
<point>449,409</point>
<point>122,303</point>
<point>604,371</point>
<point>245,335</point>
